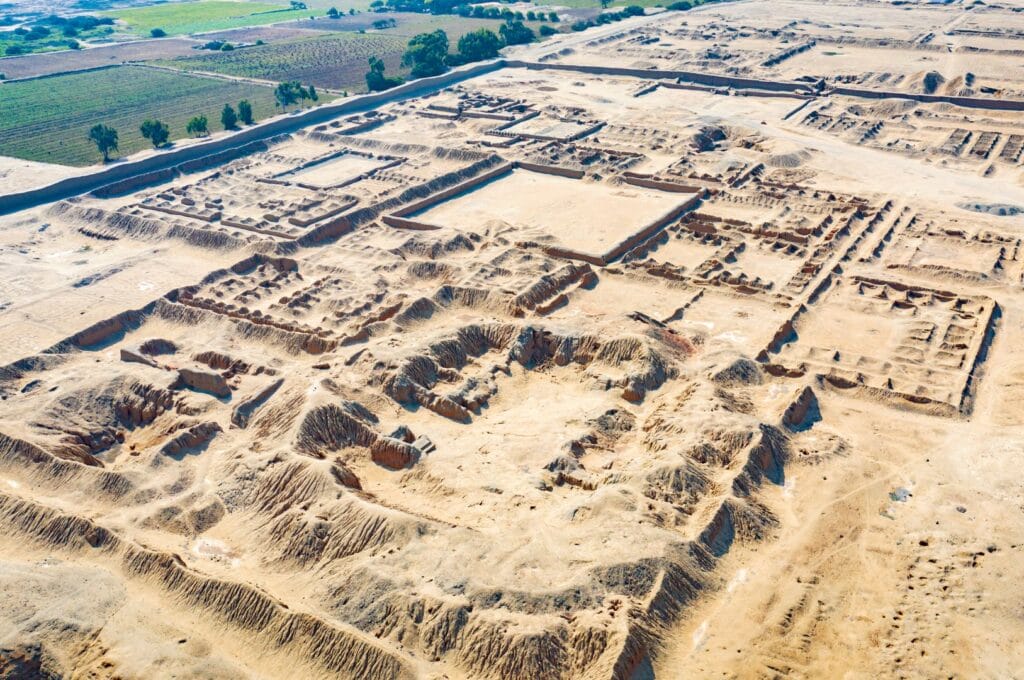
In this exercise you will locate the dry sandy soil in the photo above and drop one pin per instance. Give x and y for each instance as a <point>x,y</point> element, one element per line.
<point>550,374</point>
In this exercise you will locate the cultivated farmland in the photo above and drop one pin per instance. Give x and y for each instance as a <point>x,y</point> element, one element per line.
<point>267,34</point>
<point>408,24</point>
<point>181,18</point>
<point>454,26</point>
<point>109,55</point>
<point>334,61</point>
<point>48,119</point>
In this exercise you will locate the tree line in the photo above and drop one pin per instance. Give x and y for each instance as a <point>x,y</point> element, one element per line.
<point>159,133</point>
<point>427,54</point>
<point>608,17</point>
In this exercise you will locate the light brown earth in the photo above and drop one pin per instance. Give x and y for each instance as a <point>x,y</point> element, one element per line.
<point>418,394</point>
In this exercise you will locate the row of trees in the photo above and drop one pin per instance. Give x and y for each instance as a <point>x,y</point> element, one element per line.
<point>333,12</point>
<point>492,12</point>
<point>608,17</point>
<point>286,94</point>
<point>158,133</point>
<point>462,8</point>
<point>427,53</point>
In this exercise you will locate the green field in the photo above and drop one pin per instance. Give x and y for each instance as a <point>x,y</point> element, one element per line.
<point>48,119</point>
<point>180,18</point>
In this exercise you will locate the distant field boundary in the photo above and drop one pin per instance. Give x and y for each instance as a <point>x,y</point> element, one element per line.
<point>167,162</point>
<point>56,74</point>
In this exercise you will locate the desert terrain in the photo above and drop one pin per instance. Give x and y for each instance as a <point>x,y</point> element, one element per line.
<point>690,346</point>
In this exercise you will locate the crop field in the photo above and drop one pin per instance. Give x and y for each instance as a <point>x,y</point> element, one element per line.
<point>408,24</point>
<point>267,34</point>
<point>454,26</point>
<point>336,61</point>
<point>109,55</point>
<point>181,18</point>
<point>48,119</point>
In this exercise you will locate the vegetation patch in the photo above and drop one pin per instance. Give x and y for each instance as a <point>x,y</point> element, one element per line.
<point>180,18</point>
<point>49,119</point>
<point>53,33</point>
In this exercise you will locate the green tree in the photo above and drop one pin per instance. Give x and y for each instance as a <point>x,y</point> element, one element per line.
<point>156,132</point>
<point>376,81</point>
<point>516,33</point>
<point>426,54</point>
<point>546,30</point>
<point>228,118</point>
<point>105,139</point>
<point>479,45</point>
<point>333,13</point>
<point>158,33</point>
<point>605,4</point>
<point>311,93</point>
<point>286,94</point>
<point>198,126</point>
<point>245,112</point>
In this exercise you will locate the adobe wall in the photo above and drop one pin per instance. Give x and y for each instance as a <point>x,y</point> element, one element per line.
<point>688,76</point>
<point>969,102</point>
